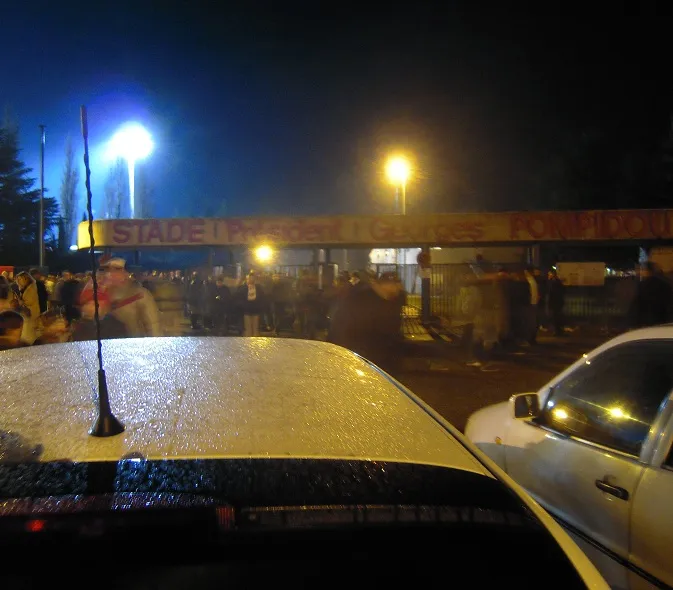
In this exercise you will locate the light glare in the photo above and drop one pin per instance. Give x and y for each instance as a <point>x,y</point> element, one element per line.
<point>398,170</point>
<point>560,414</point>
<point>264,253</point>
<point>132,142</point>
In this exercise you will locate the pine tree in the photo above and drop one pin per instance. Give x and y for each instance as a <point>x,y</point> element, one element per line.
<point>19,203</point>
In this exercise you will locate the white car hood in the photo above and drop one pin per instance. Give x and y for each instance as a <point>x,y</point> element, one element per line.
<point>218,398</point>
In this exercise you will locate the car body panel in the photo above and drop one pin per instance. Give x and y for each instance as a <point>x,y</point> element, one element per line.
<point>487,428</point>
<point>652,535</point>
<point>560,472</point>
<point>197,397</point>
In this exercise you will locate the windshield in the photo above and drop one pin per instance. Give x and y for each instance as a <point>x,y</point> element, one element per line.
<point>269,482</point>
<point>382,508</point>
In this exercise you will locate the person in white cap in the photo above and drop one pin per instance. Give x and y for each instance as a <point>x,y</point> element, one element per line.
<point>130,303</point>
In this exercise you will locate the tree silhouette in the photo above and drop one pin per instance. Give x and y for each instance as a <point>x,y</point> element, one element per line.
<point>144,194</point>
<point>117,191</point>
<point>20,203</point>
<point>69,193</point>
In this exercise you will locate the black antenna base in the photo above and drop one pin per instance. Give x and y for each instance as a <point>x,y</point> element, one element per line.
<point>106,424</point>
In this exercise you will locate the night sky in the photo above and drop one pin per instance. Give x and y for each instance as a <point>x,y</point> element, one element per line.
<point>261,110</point>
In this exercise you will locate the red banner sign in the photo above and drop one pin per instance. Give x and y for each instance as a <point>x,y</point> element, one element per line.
<point>385,230</point>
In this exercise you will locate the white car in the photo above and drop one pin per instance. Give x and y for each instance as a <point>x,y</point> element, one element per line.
<point>252,462</point>
<point>593,446</point>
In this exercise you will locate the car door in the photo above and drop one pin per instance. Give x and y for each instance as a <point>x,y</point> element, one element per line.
<point>581,457</point>
<point>652,513</point>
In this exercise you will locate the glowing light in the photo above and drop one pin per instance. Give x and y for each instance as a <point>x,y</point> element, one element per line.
<point>617,413</point>
<point>131,142</point>
<point>264,253</point>
<point>360,372</point>
<point>36,525</point>
<point>560,414</point>
<point>73,248</point>
<point>398,170</point>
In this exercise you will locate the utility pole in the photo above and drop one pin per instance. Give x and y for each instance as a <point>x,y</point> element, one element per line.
<point>41,230</point>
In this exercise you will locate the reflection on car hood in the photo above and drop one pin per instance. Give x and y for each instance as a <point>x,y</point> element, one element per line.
<point>216,398</point>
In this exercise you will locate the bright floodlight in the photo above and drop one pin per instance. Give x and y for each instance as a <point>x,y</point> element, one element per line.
<point>398,170</point>
<point>264,253</point>
<point>132,143</point>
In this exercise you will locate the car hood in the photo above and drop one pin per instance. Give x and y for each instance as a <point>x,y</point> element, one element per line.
<point>199,397</point>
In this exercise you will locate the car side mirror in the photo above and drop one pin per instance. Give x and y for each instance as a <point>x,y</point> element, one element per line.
<point>525,405</point>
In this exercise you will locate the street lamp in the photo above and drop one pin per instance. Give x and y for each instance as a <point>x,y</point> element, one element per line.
<point>398,171</point>
<point>41,224</point>
<point>263,254</point>
<point>132,143</point>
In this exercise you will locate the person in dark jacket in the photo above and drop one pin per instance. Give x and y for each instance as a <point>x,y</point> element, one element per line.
<point>42,293</point>
<point>653,303</point>
<point>66,296</point>
<point>222,307</point>
<point>11,327</point>
<point>555,301</point>
<point>367,321</point>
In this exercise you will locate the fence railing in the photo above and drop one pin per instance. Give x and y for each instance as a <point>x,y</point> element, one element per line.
<point>606,305</point>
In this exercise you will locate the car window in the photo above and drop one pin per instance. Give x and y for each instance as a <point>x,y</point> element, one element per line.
<point>613,399</point>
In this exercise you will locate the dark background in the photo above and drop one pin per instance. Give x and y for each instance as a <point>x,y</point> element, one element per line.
<point>268,108</point>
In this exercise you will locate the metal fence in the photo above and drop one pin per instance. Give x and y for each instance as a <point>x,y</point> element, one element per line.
<point>607,305</point>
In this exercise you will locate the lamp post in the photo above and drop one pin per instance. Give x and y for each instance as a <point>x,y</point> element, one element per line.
<point>398,171</point>
<point>41,224</point>
<point>132,143</point>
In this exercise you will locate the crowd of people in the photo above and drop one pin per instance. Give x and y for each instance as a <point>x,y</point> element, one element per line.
<point>360,310</point>
<point>504,310</point>
<point>38,309</point>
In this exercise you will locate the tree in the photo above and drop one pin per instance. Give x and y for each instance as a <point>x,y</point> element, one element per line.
<point>69,193</point>
<point>20,203</point>
<point>117,191</point>
<point>144,195</point>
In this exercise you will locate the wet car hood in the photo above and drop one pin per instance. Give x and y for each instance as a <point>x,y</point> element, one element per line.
<point>199,397</point>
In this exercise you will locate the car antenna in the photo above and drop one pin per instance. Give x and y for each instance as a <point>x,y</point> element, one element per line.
<point>106,423</point>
